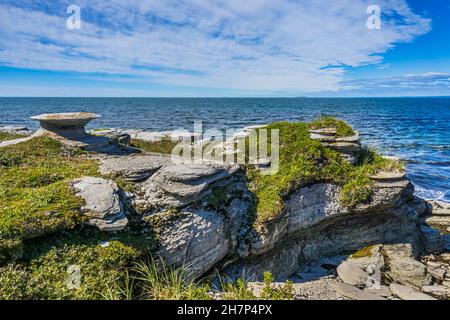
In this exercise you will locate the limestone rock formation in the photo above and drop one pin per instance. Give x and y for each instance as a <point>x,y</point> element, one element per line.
<point>103,205</point>
<point>193,239</point>
<point>404,268</point>
<point>347,146</point>
<point>352,274</point>
<point>174,186</point>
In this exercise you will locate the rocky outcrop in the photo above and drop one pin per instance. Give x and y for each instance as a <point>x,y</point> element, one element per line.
<point>314,225</point>
<point>195,239</point>
<point>349,147</point>
<point>174,186</point>
<point>102,205</point>
<point>404,268</point>
<point>200,214</point>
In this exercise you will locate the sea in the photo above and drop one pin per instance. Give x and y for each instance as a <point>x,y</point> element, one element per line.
<point>417,130</point>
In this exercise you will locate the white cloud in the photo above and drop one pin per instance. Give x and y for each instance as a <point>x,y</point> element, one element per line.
<point>261,45</point>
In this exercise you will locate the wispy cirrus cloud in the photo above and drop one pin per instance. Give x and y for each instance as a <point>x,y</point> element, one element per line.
<point>429,83</point>
<point>259,45</point>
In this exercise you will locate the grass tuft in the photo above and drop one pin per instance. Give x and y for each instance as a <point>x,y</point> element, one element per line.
<point>164,146</point>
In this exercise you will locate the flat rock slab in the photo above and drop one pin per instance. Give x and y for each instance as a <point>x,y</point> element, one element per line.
<point>408,293</point>
<point>437,290</point>
<point>102,203</point>
<point>352,274</point>
<point>388,176</point>
<point>324,131</point>
<point>133,167</point>
<point>438,220</point>
<point>382,291</point>
<point>440,208</point>
<point>355,293</point>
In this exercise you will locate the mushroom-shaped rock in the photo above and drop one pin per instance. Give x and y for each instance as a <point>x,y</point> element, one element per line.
<point>69,125</point>
<point>102,203</point>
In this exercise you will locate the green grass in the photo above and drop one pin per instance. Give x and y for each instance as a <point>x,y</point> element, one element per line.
<point>45,274</point>
<point>10,136</point>
<point>35,196</point>
<point>161,282</point>
<point>304,161</point>
<point>165,145</point>
<point>239,289</point>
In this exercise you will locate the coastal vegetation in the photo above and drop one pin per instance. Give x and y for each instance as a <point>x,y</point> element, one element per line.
<point>42,233</point>
<point>10,136</point>
<point>164,145</point>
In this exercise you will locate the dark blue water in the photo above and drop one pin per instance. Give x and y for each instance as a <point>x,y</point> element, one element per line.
<point>415,129</point>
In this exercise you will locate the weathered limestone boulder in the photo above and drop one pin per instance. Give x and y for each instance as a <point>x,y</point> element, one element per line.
<point>174,186</point>
<point>368,257</point>
<point>197,239</point>
<point>352,274</point>
<point>103,205</point>
<point>69,129</point>
<point>403,268</point>
<point>69,125</point>
<point>408,293</point>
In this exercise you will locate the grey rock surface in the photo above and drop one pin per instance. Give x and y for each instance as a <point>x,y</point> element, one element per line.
<point>196,239</point>
<point>311,205</point>
<point>102,205</point>
<point>352,274</point>
<point>403,268</point>
<point>355,293</point>
<point>174,186</point>
<point>133,167</point>
<point>408,293</point>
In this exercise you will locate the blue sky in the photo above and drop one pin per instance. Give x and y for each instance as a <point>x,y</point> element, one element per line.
<point>225,48</point>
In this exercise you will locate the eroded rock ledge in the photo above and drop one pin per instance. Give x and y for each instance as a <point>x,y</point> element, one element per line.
<point>203,218</point>
<point>202,215</point>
